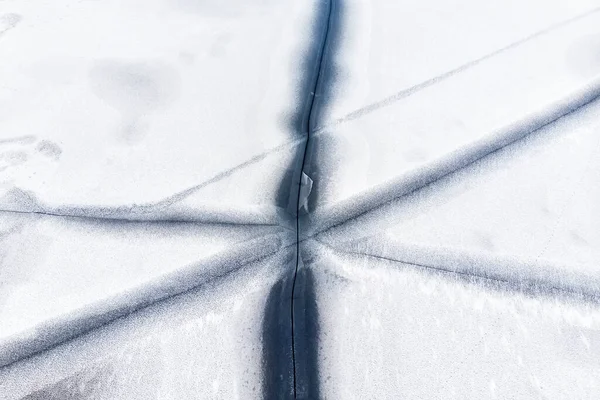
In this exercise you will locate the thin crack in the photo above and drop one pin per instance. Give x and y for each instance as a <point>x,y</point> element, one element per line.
<point>157,206</point>
<point>365,203</point>
<point>526,286</point>
<point>140,220</point>
<point>54,332</point>
<point>432,81</point>
<point>226,173</point>
<point>313,95</point>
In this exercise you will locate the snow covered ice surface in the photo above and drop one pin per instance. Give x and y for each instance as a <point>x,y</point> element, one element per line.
<point>206,343</point>
<point>151,109</point>
<point>346,199</point>
<point>64,275</point>
<point>387,329</point>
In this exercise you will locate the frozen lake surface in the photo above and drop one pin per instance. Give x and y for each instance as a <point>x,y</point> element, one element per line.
<point>338,199</point>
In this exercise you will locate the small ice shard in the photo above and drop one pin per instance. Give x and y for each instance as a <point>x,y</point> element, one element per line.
<point>305,188</point>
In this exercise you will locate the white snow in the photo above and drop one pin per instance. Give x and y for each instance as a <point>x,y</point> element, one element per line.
<point>391,329</point>
<point>129,103</point>
<point>384,47</point>
<point>146,148</point>
<point>378,150</point>
<point>206,343</point>
<point>150,172</point>
<point>70,275</point>
<point>455,167</point>
<point>526,213</point>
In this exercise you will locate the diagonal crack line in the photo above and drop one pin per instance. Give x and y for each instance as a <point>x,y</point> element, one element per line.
<point>124,220</point>
<point>525,286</point>
<point>432,81</point>
<point>228,172</point>
<point>58,330</point>
<point>515,132</point>
<point>313,95</point>
<point>123,213</point>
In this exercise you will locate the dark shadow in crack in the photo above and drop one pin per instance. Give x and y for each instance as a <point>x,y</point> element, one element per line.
<point>277,361</point>
<point>321,150</point>
<point>299,336</point>
<point>306,339</point>
<point>310,94</point>
<point>277,358</point>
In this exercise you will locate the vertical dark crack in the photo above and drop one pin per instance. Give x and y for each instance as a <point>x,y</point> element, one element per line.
<point>307,307</point>
<point>306,329</point>
<point>290,325</point>
<point>277,363</point>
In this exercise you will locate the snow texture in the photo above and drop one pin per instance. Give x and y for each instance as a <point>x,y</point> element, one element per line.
<point>353,199</point>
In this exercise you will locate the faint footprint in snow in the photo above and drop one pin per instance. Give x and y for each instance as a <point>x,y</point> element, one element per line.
<point>49,149</point>
<point>9,21</point>
<point>135,89</point>
<point>11,159</point>
<point>15,152</point>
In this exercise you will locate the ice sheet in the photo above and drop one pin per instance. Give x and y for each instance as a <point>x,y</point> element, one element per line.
<point>302,200</point>
<point>383,150</point>
<point>527,212</point>
<point>388,329</point>
<point>211,342</point>
<point>65,276</point>
<point>134,109</point>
